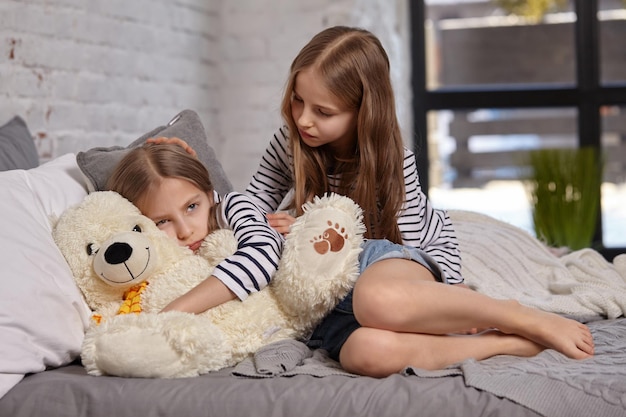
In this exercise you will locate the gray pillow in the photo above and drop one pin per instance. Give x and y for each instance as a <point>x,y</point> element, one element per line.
<point>17,147</point>
<point>97,164</point>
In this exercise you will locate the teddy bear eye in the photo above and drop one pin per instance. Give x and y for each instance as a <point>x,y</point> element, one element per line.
<point>91,249</point>
<point>137,228</point>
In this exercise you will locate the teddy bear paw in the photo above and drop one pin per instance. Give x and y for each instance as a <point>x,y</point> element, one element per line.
<point>327,237</point>
<point>319,264</point>
<point>333,239</point>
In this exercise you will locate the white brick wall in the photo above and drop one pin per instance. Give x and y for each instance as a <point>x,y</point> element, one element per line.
<point>97,73</point>
<point>103,72</point>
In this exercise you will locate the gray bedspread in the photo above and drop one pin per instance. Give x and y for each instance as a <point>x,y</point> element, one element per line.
<point>69,391</point>
<point>549,383</point>
<point>553,385</point>
<point>504,386</point>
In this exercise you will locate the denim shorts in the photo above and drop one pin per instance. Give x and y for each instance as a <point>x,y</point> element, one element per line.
<point>339,324</point>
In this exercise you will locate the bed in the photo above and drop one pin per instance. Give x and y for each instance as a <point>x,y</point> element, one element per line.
<point>43,318</point>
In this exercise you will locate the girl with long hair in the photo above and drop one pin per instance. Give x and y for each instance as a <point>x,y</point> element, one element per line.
<point>341,135</point>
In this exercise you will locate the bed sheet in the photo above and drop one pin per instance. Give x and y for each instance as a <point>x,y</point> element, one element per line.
<point>548,385</point>
<point>69,391</point>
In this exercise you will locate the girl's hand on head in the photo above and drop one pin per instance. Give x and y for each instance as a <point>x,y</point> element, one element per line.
<point>174,141</point>
<point>281,222</point>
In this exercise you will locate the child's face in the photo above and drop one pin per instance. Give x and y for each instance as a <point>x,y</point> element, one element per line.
<point>320,116</point>
<point>180,209</point>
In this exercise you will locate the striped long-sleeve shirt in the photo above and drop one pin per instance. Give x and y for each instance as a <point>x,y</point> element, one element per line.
<point>421,225</point>
<point>259,246</point>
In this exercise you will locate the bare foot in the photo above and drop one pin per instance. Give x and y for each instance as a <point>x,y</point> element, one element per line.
<point>571,338</point>
<point>515,345</point>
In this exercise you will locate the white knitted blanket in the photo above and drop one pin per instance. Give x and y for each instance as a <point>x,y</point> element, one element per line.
<point>503,261</point>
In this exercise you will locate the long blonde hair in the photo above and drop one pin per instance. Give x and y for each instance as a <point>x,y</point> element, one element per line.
<point>355,68</point>
<point>143,168</point>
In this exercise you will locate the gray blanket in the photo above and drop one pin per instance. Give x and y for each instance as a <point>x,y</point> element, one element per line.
<point>504,261</point>
<point>549,383</point>
<point>553,385</point>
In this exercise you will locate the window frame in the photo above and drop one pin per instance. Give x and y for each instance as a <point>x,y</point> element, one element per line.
<point>587,94</point>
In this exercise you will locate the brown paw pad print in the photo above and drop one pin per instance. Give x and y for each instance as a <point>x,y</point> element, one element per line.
<point>331,240</point>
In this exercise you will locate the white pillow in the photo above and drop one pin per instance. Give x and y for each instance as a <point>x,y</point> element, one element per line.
<point>42,313</point>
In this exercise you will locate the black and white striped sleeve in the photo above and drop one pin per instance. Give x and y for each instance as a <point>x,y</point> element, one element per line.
<point>427,228</point>
<point>259,247</point>
<point>273,179</point>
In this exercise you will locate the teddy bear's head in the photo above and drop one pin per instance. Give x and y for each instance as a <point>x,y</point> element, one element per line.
<point>110,246</point>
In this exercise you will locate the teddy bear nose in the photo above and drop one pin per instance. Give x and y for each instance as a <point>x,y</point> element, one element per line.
<point>117,253</point>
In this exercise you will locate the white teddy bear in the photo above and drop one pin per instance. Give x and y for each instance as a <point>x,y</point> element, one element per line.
<point>128,270</point>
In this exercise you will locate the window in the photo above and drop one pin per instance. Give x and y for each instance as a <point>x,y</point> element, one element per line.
<point>490,87</point>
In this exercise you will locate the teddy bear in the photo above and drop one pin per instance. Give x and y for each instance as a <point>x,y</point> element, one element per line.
<point>128,270</point>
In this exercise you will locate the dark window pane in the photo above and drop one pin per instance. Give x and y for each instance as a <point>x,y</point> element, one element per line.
<point>477,43</point>
<point>612,29</point>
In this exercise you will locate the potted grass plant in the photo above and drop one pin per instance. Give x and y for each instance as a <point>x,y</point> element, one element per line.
<point>564,191</point>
